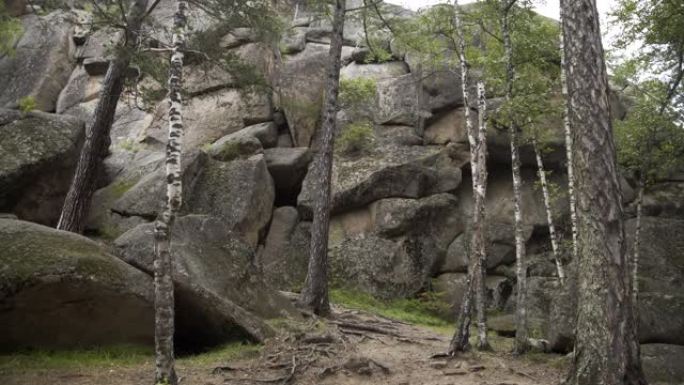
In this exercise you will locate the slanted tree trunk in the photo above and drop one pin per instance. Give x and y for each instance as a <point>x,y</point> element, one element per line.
<point>315,292</point>
<point>163,264</point>
<point>568,145</point>
<point>606,347</point>
<point>521,340</point>
<point>96,145</point>
<point>549,215</point>
<point>476,273</point>
<point>478,246</point>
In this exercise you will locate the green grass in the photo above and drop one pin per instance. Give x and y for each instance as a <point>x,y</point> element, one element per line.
<point>124,355</point>
<point>415,311</point>
<point>117,356</point>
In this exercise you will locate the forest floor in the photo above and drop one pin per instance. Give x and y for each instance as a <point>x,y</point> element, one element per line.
<point>351,347</point>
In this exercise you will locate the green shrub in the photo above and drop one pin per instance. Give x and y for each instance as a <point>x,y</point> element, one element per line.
<point>27,104</point>
<point>356,138</point>
<point>357,92</point>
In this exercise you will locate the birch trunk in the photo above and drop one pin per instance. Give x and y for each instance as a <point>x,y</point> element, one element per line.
<point>475,281</point>
<point>606,347</point>
<point>315,292</point>
<point>97,141</point>
<point>163,264</point>
<point>568,145</point>
<point>549,215</point>
<point>521,340</point>
<point>478,245</point>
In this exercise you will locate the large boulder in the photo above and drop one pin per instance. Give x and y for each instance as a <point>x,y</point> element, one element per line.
<point>41,64</point>
<point>211,116</point>
<point>61,290</point>
<point>662,363</point>
<point>665,199</point>
<point>285,255</point>
<point>301,85</point>
<point>661,304</point>
<point>38,152</point>
<point>206,252</point>
<point>387,172</point>
<point>376,72</point>
<point>396,100</point>
<point>383,268</point>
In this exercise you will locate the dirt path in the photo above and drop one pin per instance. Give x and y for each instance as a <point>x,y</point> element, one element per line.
<point>351,348</point>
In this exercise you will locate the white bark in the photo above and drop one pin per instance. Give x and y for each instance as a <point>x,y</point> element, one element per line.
<point>549,215</point>
<point>163,264</point>
<point>635,260</point>
<point>479,215</point>
<point>568,145</point>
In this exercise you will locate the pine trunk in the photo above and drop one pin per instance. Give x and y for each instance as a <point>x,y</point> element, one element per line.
<point>521,340</point>
<point>568,146</point>
<point>549,215</point>
<point>315,293</point>
<point>97,141</point>
<point>606,347</point>
<point>635,259</point>
<point>163,264</point>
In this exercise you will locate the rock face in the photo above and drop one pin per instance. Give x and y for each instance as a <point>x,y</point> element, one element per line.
<point>285,256</point>
<point>60,290</point>
<point>392,171</point>
<point>287,166</point>
<point>662,363</point>
<point>41,65</point>
<point>38,152</point>
<point>208,253</point>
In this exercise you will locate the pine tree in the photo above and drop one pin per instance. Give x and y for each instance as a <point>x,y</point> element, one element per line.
<point>606,347</point>
<point>96,145</point>
<point>315,293</point>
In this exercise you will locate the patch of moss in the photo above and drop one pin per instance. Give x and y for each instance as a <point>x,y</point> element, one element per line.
<point>415,310</point>
<point>223,353</point>
<point>118,189</point>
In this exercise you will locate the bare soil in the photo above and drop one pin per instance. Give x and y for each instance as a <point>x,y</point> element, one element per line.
<point>352,347</point>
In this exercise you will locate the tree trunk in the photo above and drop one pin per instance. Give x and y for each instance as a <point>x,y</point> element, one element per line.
<point>478,241</point>
<point>606,347</point>
<point>521,340</point>
<point>568,146</point>
<point>475,281</point>
<point>96,145</point>
<point>635,260</point>
<point>549,214</point>
<point>163,264</point>
<point>315,292</point>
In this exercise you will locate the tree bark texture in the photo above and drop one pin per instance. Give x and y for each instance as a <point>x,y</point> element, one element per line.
<point>315,292</point>
<point>97,141</point>
<point>635,257</point>
<point>163,264</point>
<point>606,347</point>
<point>549,214</point>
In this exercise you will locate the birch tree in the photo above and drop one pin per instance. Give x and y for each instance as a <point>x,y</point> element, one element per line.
<point>521,343</point>
<point>315,293</point>
<point>649,143</point>
<point>163,264</point>
<point>606,347</point>
<point>475,281</point>
<point>97,140</point>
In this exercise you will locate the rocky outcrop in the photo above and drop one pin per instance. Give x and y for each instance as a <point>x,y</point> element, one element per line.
<point>38,152</point>
<point>285,255</point>
<point>288,167</point>
<point>41,64</point>
<point>388,172</point>
<point>207,253</point>
<point>662,363</point>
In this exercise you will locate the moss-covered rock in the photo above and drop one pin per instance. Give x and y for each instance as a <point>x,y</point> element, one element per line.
<point>59,289</point>
<point>38,152</point>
